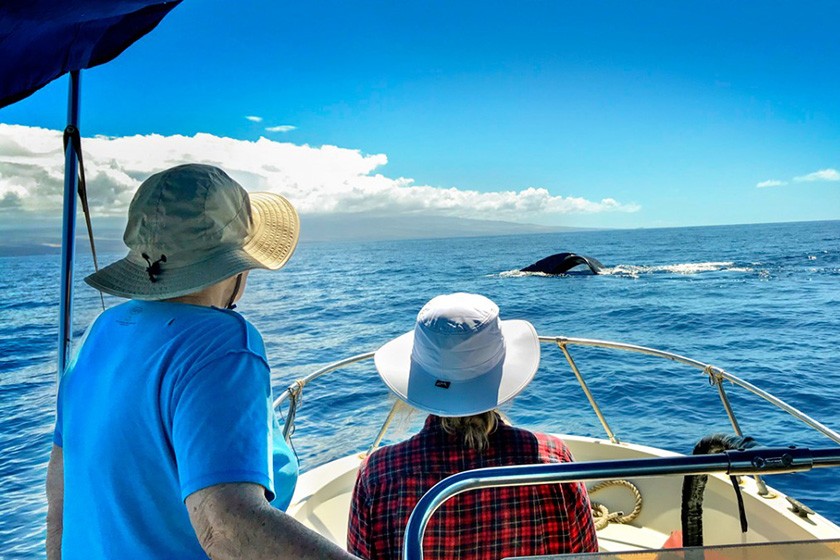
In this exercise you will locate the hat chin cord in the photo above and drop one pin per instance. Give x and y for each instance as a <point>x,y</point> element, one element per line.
<point>230,304</point>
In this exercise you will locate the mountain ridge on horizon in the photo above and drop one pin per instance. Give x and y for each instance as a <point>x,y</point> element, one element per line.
<point>43,236</point>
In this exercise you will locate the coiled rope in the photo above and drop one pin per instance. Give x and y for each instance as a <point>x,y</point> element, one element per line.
<point>603,516</point>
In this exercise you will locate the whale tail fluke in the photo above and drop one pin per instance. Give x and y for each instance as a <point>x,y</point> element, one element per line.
<point>563,262</point>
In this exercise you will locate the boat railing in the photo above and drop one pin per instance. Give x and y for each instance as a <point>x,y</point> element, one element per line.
<point>716,376</point>
<point>756,461</point>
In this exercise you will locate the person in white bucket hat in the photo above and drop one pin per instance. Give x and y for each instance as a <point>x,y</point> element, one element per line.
<point>164,445</point>
<point>459,364</point>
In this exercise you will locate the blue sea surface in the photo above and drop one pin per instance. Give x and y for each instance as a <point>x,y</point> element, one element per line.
<point>760,301</point>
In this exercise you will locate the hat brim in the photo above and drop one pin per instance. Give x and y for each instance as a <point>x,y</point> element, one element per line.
<point>274,232</point>
<point>422,390</point>
<point>271,240</point>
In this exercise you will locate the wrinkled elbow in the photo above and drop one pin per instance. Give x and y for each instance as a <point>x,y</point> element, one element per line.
<point>209,543</point>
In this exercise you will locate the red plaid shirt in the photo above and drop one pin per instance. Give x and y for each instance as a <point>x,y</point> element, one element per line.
<point>477,525</point>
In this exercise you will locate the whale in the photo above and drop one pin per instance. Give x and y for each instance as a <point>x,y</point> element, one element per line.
<point>561,263</point>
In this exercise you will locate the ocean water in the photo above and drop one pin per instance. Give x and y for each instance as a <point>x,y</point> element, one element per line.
<point>761,301</point>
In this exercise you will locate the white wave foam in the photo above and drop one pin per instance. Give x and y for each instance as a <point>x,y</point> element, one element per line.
<point>694,268</point>
<point>680,268</point>
<point>516,273</point>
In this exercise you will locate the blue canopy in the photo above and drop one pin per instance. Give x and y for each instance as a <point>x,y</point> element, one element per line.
<point>41,40</point>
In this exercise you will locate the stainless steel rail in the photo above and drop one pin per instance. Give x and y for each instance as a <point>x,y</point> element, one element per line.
<point>749,462</point>
<point>711,370</point>
<point>715,374</point>
<point>562,344</point>
<point>294,391</point>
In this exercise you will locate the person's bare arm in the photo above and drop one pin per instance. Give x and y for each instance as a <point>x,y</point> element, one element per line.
<point>55,503</point>
<point>236,521</point>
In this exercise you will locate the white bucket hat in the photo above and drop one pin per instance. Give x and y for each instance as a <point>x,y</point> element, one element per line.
<point>192,226</point>
<point>460,360</point>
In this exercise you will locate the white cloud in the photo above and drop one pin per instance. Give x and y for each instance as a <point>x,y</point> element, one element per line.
<point>821,175</point>
<point>281,128</point>
<point>771,183</point>
<point>254,118</point>
<point>318,180</point>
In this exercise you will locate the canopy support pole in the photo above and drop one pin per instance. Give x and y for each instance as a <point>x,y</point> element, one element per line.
<point>68,235</point>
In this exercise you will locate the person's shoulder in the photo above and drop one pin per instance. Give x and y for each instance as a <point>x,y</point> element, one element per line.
<point>546,444</point>
<point>226,325</point>
<point>237,322</point>
<point>239,332</point>
<point>219,330</point>
<point>553,446</point>
<point>115,312</point>
<point>385,454</point>
<point>200,312</point>
<point>523,434</point>
<point>386,461</point>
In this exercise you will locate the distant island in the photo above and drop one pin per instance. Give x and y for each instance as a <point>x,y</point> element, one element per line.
<point>42,235</point>
<point>365,227</point>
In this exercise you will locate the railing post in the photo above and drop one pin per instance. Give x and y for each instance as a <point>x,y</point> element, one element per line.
<point>397,405</point>
<point>562,345</point>
<point>717,379</point>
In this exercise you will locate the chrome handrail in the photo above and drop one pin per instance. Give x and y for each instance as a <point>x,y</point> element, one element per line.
<point>743,462</point>
<point>716,377</point>
<point>716,373</point>
<point>294,390</point>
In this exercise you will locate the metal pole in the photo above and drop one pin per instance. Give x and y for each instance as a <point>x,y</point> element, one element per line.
<point>610,434</point>
<point>68,235</point>
<point>763,491</point>
<point>397,405</point>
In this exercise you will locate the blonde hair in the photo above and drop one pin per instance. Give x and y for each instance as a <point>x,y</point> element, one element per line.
<point>474,429</point>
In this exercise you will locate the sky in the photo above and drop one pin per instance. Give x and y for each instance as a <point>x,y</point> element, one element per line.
<point>582,114</point>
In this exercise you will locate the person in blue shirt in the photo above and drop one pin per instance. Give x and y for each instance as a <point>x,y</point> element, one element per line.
<point>165,444</point>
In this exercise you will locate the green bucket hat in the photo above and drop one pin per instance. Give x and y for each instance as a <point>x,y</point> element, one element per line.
<point>192,226</point>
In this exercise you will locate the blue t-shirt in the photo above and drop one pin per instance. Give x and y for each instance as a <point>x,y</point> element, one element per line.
<point>162,400</point>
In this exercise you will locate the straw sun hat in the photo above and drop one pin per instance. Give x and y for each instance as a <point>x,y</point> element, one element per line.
<point>460,359</point>
<point>192,226</point>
